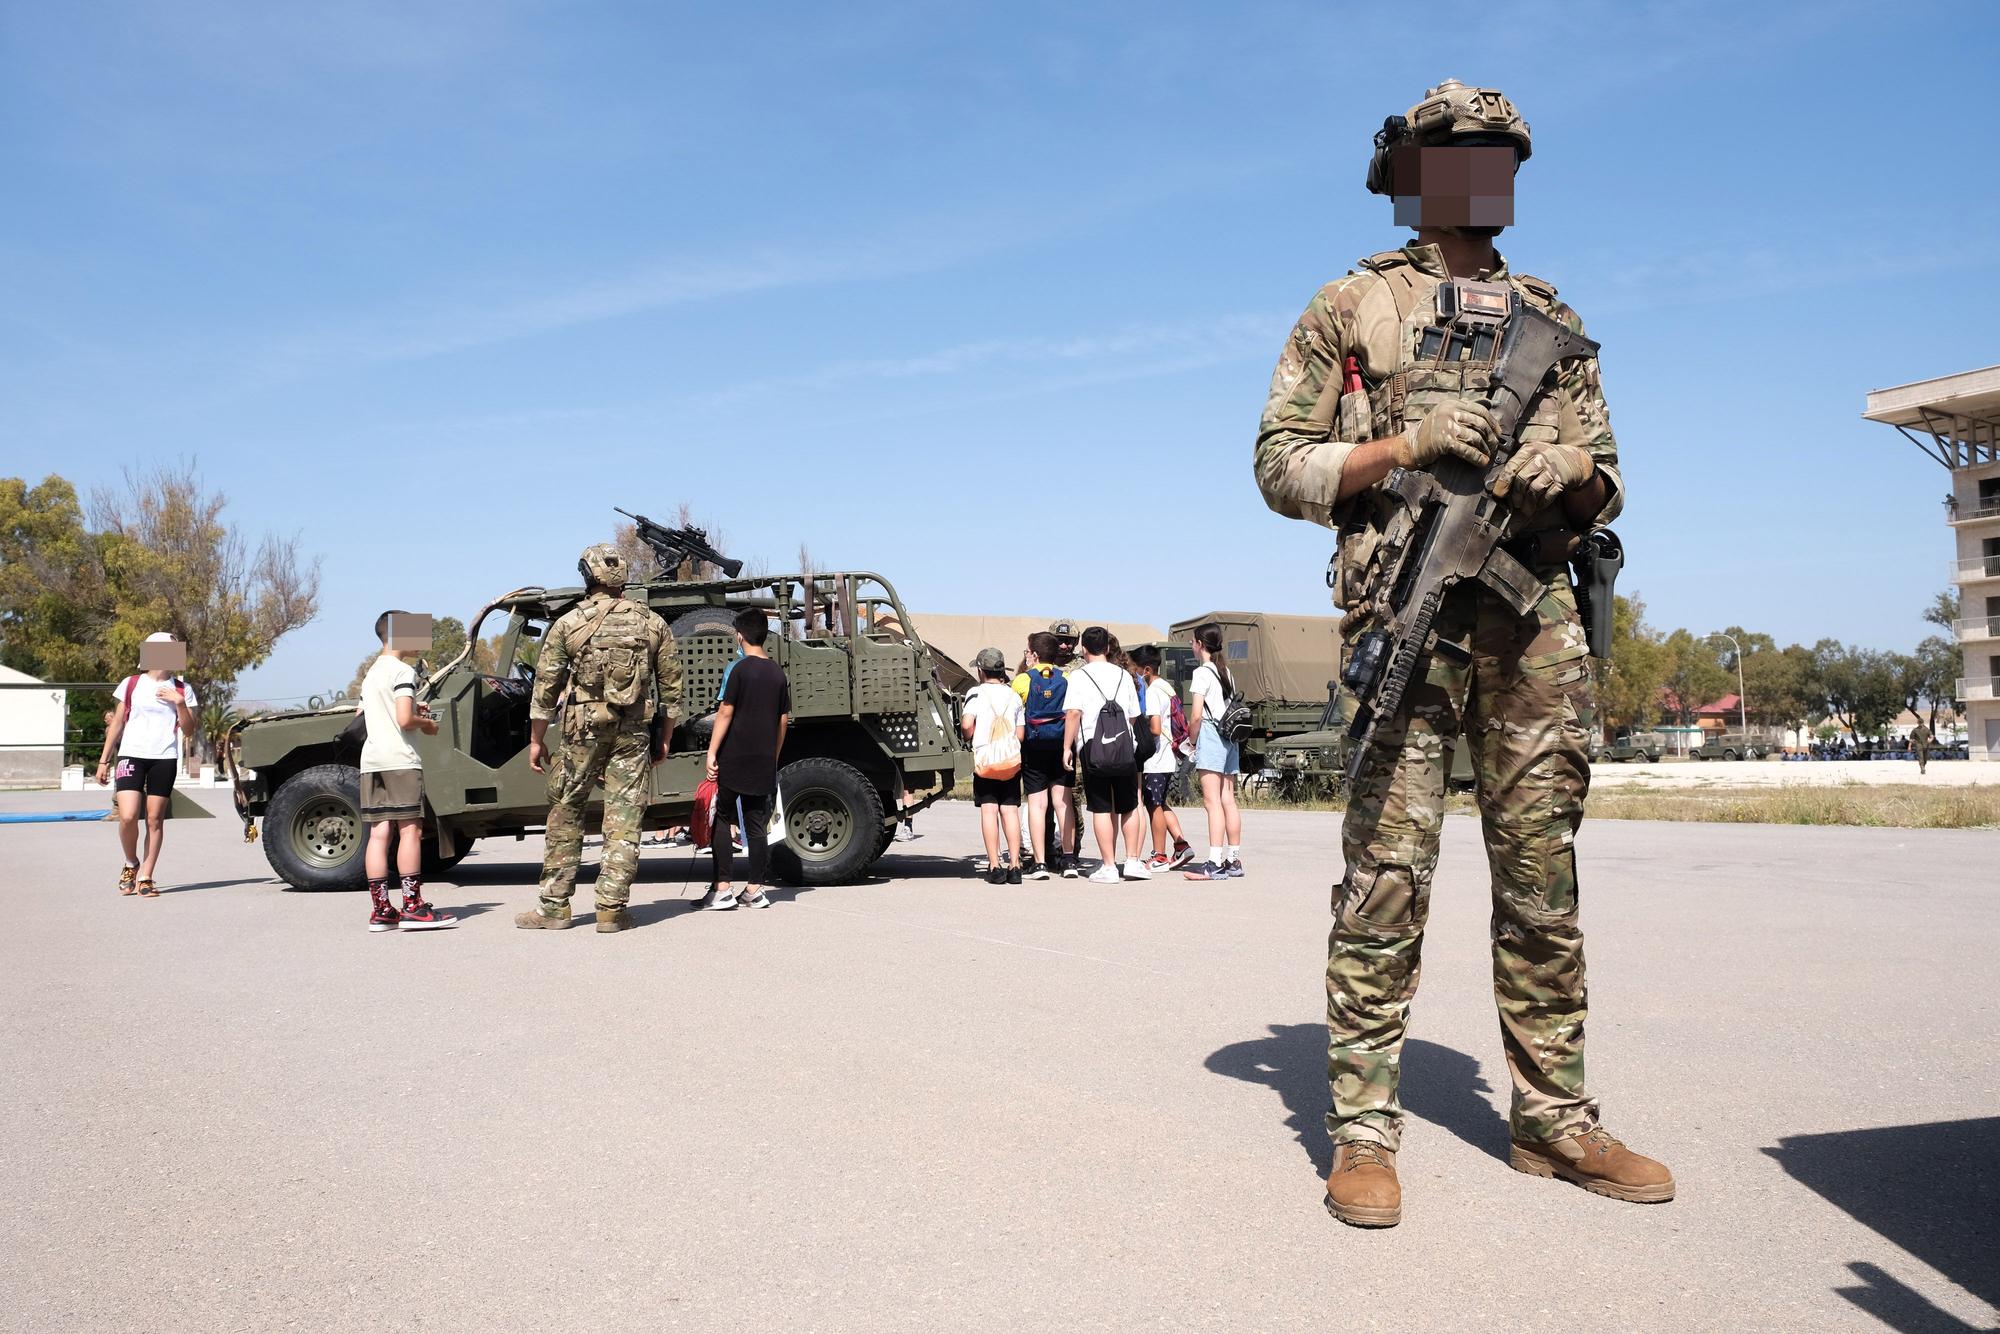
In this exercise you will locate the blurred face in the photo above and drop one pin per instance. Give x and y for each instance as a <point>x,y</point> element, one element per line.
<point>1454,186</point>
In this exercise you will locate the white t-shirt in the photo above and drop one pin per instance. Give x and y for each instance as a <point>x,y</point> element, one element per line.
<point>1089,686</point>
<point>990,700</point>
<point>1160,704</point>
<point>388,746</point>
<point>1206,686</point>
<point>152,727</point>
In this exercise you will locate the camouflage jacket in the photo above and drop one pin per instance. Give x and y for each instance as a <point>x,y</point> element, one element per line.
<point>639,675</point>
<point>1377,314</point>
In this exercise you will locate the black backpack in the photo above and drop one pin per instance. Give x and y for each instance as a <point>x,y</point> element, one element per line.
<point>1235,724</point>
<point>1108,749</point>
<point>1144,744</point>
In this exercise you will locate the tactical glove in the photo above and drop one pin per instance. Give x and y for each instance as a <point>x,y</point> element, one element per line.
<point>1460,428</point>
<point>1542,471</point>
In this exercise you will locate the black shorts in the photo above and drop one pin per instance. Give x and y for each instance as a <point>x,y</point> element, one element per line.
<point>1042,766</point>
<point>996,791</point>
<point>1153,790</point>
<point>155,778</point>
<point>1110,794</point>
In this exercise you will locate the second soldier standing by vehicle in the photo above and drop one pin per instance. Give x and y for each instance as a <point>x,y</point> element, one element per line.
<point>609,664</point>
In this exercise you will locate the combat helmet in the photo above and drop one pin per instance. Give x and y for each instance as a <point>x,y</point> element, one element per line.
<point>603,565</point>
<point>1450,113</point>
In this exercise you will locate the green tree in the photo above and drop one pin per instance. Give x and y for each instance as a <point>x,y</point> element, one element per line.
<point>1937,663</point>
<point>1694,674</point>
<point>1630,689</point>
<point>1863,687</point>
<point>54,603</point>
<point>1944,609</point>
<point>173,563</point>
<point>1777,685</point>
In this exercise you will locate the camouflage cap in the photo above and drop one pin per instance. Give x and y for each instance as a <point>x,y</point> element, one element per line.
<point>1063,629</point>
<point>604,564</point>
<point>989,660</point>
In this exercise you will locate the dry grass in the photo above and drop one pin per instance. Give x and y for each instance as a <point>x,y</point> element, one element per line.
<point>1894,806</point>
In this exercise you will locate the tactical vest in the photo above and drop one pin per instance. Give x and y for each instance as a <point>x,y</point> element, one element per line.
<point>1411,360</point>
<point>611,667</point>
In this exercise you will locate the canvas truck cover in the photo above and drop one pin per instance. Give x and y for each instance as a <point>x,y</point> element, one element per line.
<point>1272,656</point>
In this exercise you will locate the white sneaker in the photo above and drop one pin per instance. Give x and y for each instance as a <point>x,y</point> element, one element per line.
<point>1105,874</point>
<point>754,899</point>
<point>723,902</point>
<point>1136,870</point>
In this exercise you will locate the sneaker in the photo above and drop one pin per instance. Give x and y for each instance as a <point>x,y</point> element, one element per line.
<point>1037,871</point>
<point>996,875</point>
<point>756,898</point>
<point>1234,870</point>
<point>1158,862</point>
<point>384,918</point>
<point>1205,871</point>
<point>421,916</point>
<point>1183,854</point>
<point>1070,870</point>
<point>1135,869</point>
<point>724,901</point>
<point>1013,875</point>
<point>1105,874</point>
<point>1029,866</point>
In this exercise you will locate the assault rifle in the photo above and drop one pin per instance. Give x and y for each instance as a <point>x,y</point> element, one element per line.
<point>674,547</point>
<point>1449,527</point>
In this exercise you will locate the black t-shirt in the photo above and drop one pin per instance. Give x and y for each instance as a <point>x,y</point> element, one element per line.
<point>748,759</point>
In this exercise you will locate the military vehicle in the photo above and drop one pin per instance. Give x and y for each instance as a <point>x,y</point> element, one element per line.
<point>1307,766</point>
<point>874,737</point>
<point>1280,665</point>
<point>1630,746</point>
<point>1728,747</point>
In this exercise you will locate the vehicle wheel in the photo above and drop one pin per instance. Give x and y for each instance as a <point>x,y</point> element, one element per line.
<point>436,865</point>
<point>704,621</point>
<point>832,813</point>
<point>312,831</point>
<point>1728,754</point>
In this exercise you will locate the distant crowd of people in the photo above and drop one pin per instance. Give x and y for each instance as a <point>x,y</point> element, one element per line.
<point>1080,715</point>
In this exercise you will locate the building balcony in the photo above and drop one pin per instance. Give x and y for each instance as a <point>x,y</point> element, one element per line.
<point>1979,567</point>
<point>1978,513</point>
<point>1976,627</point>
<point>1975,687</point>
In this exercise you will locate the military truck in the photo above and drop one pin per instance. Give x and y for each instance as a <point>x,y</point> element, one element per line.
<point>1630,746</point>
<point>1307,766</point>
<point>1731,747</point>
<point>874,737</point>
<point>1279,663</point>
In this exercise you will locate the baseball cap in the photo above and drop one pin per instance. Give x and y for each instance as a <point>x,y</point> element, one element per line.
<point>1063,629</point>
<point>989,660</point>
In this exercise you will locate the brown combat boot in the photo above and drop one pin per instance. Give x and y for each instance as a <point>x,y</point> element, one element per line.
<point>536,920</point>
<point>613,919</point>
<point>1595,1160</point>
<point>1362,1188</point>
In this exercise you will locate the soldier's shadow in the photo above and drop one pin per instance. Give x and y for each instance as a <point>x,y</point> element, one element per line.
<point>1439,1085</point>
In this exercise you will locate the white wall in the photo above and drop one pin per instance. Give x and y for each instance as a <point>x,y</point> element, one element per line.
<point>31,733</point>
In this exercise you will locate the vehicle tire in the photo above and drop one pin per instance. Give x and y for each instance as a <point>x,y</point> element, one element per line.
<point>831,813</point>
<point>312,830</point>
<point>704,621</point>
<point>1729,755</point>
<point>435,865</point>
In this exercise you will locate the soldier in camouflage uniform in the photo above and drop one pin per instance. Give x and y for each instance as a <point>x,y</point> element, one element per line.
<point>615,658</point>
<point>1360,391</point>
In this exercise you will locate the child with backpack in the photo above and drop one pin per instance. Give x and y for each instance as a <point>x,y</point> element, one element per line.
<point>996,722</point>
<point>151,712</point>
<point>1045,773</point>
<point>1160,725</point>
<point>1212,698</point>
<point>1099,706</point>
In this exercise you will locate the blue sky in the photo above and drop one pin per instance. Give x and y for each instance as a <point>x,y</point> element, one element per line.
<point>933,288</point>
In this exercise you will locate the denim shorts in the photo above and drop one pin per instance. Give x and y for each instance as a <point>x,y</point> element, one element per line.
<point>1213,755</point>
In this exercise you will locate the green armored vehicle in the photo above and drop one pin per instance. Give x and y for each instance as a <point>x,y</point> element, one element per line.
<point>874,738</point>
<point>1307,766</point>
<point>1625,746</point>
<point>1731,747</point>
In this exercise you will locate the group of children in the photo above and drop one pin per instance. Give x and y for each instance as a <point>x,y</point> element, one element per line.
<point>1103,721</point>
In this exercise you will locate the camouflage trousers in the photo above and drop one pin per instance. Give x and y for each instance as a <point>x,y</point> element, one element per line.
<point>1524,704</point>
<point>620,761</point>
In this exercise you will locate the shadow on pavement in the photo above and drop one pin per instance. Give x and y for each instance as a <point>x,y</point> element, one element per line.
<point>221,884</point>
<point>1900,1306</point>
<point>1932,1189</point>
<point>1439,1085</point>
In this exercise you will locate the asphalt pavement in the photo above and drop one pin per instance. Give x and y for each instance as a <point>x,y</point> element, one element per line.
<point>927,1103</point>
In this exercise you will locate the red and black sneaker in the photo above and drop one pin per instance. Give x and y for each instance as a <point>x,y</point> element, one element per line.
<point>383,915</point>
<point>421,916</point>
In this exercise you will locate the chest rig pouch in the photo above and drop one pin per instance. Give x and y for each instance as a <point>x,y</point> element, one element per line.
<point>1445,351</point>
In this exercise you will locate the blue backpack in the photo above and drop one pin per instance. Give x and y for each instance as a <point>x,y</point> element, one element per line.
<point>1047,689</point>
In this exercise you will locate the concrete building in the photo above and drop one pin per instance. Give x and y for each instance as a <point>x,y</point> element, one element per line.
<point>1956,421</point>
<point>31,731</point>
